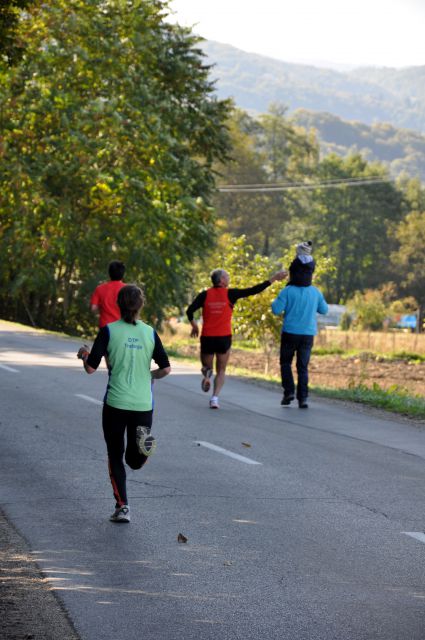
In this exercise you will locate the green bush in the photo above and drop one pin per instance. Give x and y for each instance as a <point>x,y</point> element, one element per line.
<point>410,356</point>
<point>346,321</point>
<point>368,309</point>
<point>327,351</point>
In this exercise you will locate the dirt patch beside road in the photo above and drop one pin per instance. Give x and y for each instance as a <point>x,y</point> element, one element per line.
<point>337,372</point>
<point>29,609</point>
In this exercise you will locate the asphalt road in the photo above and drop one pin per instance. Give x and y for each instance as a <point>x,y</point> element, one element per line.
<point>314,532</point>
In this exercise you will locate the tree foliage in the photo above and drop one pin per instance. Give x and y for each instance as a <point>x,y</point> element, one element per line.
<point>245,166</point>
<point>109,132</point>
<point>401,150</point>
<point>352,224</point>
<point>369,309</point>
<point>409,259</point>
<point>266,150</point>
<point>11,46</point>
<point>349,224</point>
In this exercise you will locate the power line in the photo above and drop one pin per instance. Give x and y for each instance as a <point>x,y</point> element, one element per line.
<point>287,186</point>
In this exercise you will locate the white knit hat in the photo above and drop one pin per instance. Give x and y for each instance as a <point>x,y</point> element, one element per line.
<point>304,248</point>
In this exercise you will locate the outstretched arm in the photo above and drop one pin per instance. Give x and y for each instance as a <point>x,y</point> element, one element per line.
<point>236,294</point>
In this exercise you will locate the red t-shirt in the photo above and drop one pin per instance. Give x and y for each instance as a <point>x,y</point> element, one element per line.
<point>105,297</point>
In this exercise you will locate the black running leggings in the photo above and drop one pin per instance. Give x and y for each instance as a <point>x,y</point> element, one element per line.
<point>115,422</point>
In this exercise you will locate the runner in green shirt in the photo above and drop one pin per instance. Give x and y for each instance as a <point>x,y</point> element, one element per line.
<point>129,345</point>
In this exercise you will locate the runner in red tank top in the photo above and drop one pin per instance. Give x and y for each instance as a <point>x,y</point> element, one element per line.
<point>216,336</point>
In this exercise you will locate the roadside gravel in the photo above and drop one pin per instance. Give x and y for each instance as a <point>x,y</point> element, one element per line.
<point>29,609</point>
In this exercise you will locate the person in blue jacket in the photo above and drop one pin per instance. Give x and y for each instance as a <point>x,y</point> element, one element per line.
<point>299,304</point>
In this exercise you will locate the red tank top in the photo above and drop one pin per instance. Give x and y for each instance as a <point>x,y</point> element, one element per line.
<point>217,313</point>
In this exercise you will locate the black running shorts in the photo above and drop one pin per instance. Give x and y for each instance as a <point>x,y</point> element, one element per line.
<point>215,344</point>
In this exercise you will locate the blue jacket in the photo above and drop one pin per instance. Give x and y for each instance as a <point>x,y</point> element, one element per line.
<point>300,305</point>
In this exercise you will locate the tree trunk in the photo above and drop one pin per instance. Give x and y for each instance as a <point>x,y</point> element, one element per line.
<point>28,313</point>
<point>420,318</point>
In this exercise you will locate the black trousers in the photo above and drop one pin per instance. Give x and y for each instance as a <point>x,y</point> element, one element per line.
<point>301,345</point>
<point>115,423</point>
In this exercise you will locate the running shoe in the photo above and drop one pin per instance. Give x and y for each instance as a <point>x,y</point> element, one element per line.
<point>146,443</point>
<point>214,403</point>
<point>121,514</point>
<point>206,382</point>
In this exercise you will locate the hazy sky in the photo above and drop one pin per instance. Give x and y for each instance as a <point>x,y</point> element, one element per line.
<point>357,32</point>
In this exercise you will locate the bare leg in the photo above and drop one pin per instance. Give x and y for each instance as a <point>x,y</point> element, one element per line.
<point>207,366</point>
<point>221,364</point>
<point>207,360</point>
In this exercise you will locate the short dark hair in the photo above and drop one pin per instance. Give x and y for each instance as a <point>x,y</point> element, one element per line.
<point>216,276</point>
<point>116,270</point>
<point>131,299</point>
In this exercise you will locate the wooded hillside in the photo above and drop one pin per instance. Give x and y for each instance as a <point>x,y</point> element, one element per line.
<point>367,95</point>
<point>402,150</point>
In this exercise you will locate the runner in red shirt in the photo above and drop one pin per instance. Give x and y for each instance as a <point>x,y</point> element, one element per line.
<point>104,298</point>
<point>216,337</point>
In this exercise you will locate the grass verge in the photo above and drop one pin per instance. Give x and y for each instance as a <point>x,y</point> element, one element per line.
<point>394,399</point>
<point>45,332</point>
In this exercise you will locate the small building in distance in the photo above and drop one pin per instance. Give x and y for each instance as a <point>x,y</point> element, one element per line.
<point>333,317</point>
<point>407,321</point>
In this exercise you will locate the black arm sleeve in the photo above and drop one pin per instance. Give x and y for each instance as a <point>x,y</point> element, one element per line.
<point>198,303</point>
<point>99,348</point>
<point>159,354</point>
<point>236,294</point>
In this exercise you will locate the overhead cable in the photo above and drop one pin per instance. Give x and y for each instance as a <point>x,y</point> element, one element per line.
<point>287,186</point>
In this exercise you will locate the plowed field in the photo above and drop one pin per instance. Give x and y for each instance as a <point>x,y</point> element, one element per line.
<point>337,371</point>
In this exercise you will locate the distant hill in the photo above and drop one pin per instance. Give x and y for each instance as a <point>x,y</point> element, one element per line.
<point>402,150</point>
<point>407,83</point>
<point>368,95</point>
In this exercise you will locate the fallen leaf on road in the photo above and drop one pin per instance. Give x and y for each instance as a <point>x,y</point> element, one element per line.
<point>246,444</point>
<point>181,538</point>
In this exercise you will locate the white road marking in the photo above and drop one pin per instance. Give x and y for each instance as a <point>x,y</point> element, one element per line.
<point>225,452</point>
<point>6,368</point>
<point>88,398</point>
<point>418,535</point>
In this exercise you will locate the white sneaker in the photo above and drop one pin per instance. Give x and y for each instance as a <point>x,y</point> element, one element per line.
<point>146,443</point>
<point>121,514</point>
<point>214,403</point>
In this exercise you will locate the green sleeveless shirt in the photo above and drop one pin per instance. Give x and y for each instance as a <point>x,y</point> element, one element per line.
<point>130,350</point>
